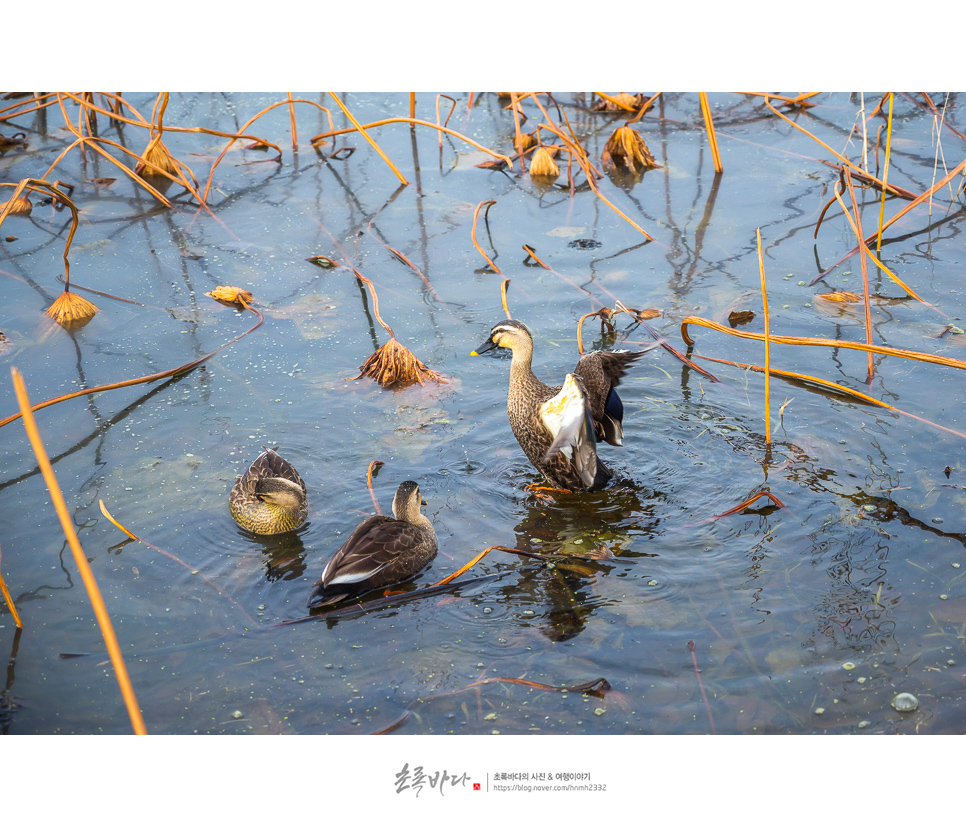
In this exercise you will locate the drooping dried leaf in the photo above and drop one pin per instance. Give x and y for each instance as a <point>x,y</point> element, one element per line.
<point>71,309</point>
<point>627,153</point>
<point>393,364</point>
<point>738,317</point>
<point>542,166</point>
<point>493,164</point>
<point>625,99</point>
<point>321,260</point>
<point>231,295</point>
<point>840,297</point>
<point>157,161</point>
<point>19,205</point>
<point>527,141</point>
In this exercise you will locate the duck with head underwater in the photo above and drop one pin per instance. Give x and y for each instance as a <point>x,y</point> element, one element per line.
<point>270,497</point>
<point>382,551</point>
<point>558,427</point>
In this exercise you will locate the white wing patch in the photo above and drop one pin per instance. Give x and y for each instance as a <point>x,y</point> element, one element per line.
<point>351,578</point>
<point>567,418</point>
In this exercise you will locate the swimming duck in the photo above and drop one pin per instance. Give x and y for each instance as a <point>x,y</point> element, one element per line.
<point>559,427</point>
<point>270,497</point>
<point>381,551</point>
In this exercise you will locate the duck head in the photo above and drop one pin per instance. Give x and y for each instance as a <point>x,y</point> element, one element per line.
<point>407,503</point>
<point>509,333</point>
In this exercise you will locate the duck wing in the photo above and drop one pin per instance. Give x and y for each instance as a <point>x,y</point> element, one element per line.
<point>270,464</point>
<point>601,373</point>
<point>567,416</point>
<point>382,550</point>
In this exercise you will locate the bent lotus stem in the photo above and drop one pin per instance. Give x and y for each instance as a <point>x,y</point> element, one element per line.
<point>83,567</point>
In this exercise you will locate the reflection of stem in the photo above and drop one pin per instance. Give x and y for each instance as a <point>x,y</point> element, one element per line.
<point>90,583</point>
<point>142,379</point>
<point>697,672</point>
<point>476,214</point>
<point>181,562</point>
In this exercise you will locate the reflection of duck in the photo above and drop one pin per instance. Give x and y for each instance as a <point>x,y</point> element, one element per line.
<point>270,497</point>
<point>558,427</point>
<point>381,551</point>
<point>282,556</point>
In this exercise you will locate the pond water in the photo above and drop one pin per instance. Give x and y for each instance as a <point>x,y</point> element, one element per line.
<point>806,618</point>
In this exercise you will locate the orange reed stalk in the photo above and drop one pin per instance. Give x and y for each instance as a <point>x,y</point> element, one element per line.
<point>709,126</point>
<point>517,139</point>
<point>320,136</point>
<point>808,340</point>
<point>885,174</point>
<point>9,600</point>
<point>824,383</point>
<point>863,250</point>
<point>764,301</point>
<point>90,583</point>
<point>503,286</point>
<point>875,260</point>
<point>291,118</point>
<point>372,492</point>
<point>369,139</point>
<point>477,558</point>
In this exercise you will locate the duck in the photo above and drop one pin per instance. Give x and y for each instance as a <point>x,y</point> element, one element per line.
<point>559,427</point>
<point>381,551</point>
<point>270,498</point>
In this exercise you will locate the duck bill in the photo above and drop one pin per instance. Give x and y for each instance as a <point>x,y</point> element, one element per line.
<point>486,347</point>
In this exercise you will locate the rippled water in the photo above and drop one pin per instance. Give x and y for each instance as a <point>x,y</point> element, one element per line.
<point>803,620</point>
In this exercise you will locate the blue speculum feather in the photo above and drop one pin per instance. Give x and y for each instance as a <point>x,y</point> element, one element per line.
<point>614,406</point>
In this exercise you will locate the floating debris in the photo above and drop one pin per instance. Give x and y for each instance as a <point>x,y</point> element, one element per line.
<point>231,295</point>
<point>905,702</point>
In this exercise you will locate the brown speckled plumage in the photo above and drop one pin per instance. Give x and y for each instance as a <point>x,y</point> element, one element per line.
<point>381,551</point>
<point>270,497</point>
<point>597,374</point>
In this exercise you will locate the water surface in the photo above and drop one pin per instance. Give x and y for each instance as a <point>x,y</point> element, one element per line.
<point>805,619</point>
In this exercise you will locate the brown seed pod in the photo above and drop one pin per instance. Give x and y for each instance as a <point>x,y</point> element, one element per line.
<point>626,152</point>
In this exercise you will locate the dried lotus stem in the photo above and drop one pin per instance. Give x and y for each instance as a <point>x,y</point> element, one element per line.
<point>393,363</point>
<point>709,125</point>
